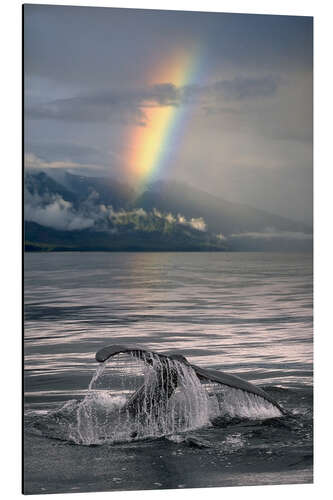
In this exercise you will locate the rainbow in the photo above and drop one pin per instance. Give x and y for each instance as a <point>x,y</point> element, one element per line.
<point>150,146</point>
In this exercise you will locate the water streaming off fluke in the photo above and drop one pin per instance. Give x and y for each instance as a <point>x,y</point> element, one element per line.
<point>135,397</point>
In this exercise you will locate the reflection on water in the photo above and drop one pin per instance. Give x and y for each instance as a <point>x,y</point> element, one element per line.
<point>247,313</point>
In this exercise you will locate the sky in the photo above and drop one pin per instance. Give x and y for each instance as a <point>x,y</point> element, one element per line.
<point>222,102</point>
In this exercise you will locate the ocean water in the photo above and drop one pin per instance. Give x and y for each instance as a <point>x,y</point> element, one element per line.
<point>248,314</point>
<point>245,313</point>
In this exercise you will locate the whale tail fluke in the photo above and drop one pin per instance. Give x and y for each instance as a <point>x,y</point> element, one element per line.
<point>166,369</point>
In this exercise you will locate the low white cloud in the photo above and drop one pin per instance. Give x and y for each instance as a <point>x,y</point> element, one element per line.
<point>51,210</point>
<point>198,224</point>
<point>271,234</point>
<point>221,237</point>
<point>54,211</point>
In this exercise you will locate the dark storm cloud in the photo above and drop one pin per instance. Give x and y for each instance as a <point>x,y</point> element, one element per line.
<point>88,74</point>
<point>105,105</point>
<point>128,105</point>
<point>86,110</point>
<point>83,46</point>
<point>244,88</point>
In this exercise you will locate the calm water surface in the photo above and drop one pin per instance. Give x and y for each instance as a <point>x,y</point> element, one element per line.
<point>245,313</point>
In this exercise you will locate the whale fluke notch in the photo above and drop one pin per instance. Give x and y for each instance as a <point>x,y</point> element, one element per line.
<point>167,373</point>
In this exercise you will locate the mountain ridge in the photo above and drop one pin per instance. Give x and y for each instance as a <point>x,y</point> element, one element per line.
<point>167,215</point>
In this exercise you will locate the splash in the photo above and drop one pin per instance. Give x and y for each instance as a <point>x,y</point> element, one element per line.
<point>130,398</point>
<point>170,399</point>
<point>230,402</point>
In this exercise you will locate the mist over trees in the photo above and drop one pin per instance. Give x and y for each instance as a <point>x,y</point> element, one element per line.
<point>96,213</point>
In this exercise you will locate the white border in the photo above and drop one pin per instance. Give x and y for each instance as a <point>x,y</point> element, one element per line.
<point>10,44</point>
